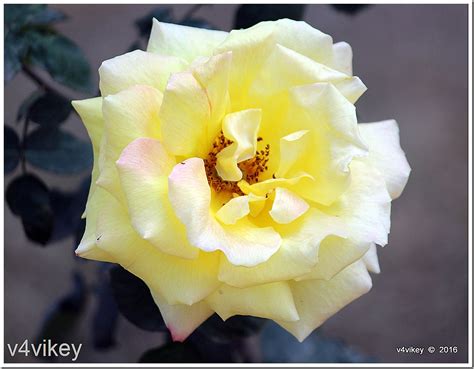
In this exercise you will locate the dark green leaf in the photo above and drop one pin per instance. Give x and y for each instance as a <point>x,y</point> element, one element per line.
<point>18,15</point>
<point>15,49</point>
<point>29,198</point>
<point>57,151</point>
<point>26,104</point>
<point>250,14</point>
<point>50,109</point>
<point>63,317</point>
<point>105,318</point>
<point>134,300</point>
<point>47,16</point>
<point>236,327</point>
<point>196,22</point>
<point>175,352</point>
<point>350,9</point>
<point>12,149</point>
<point>62,58</point>
<point>163,14</point>
<point>278,346</point>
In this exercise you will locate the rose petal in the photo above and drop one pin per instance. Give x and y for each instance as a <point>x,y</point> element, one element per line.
<point>242,128</point>
<point>287,206</point>
<point>342,57</point>
<point>137,68</point>
<point>385,154</point>
<point>143,168</point>
<point>182,41</point>
<point>190,195</point>
<point>297,255</point>
<point>178,280</point>
<point>128,115</point>
<point>182,320</point>
<point>271,301</point>
<point>317,300</point>
<point>371,260</point>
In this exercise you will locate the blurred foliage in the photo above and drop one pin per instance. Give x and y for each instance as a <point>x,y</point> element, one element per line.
<point>350,9</point>
<point>248,15</point>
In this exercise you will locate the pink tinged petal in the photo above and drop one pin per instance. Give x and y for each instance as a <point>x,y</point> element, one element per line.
<point>182,320</point>
<point>287,206</point>
<point>297,255</point>
<point>143,168</point>
<point>182,41</point>
<point>242,128</point>
<point>342,57</point>
<point>385,154</point>
<point>184,114</point>
<point>128,115</point>
<point>178,280</point>
<point>137,68</point>
<point>317,300</point>
<point>371,260</point>
<point>190,195</point>
<point>271,301</point>
<point>283,62</point>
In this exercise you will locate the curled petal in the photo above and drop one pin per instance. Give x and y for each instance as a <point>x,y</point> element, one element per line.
<point>371,260</point>
<point>242,128</point>
<point>287,206</point>
<point>190,195</point>
<point>271,301</point>
<point>342,57</point>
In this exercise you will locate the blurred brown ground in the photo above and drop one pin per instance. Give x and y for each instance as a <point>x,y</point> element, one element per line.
<point>413,58</point>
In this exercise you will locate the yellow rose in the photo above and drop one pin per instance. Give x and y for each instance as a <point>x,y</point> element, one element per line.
<point>231,174</point>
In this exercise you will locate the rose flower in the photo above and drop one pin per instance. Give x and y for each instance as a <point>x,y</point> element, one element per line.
<point>231,174</point>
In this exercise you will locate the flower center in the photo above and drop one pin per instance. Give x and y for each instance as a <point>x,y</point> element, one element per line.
<point>251,168</point>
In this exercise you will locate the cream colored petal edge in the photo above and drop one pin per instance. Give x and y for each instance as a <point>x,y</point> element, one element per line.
<point>143,169</point>
<point>184,42</point>
<point>371,260</point>
<point>385,154</point>
<point>190,196</point>
<point>317,300</point>
<point>137,68</point>
<point>271,301</point>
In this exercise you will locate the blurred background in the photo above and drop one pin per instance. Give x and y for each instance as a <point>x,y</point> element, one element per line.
<point>414,61</point>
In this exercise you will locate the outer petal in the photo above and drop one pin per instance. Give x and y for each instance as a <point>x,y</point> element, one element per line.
<point>342,60</point>
<point>90,111</point>
<point>190,195</point>
<point>271,301</point>
<point>386,155</point>
<point>182,320</point>
<point>128,115</point>
<point>371,260</point>
<point>178,280</point>
<point>317,300</point>
<point>137,68</point>
<point>334,255</point>
<point>242,128</point>
<point>365,206</point>
<point>294,69</point>
<point>143,169</point>
<point>297,255</point>
<point>182,41</point>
